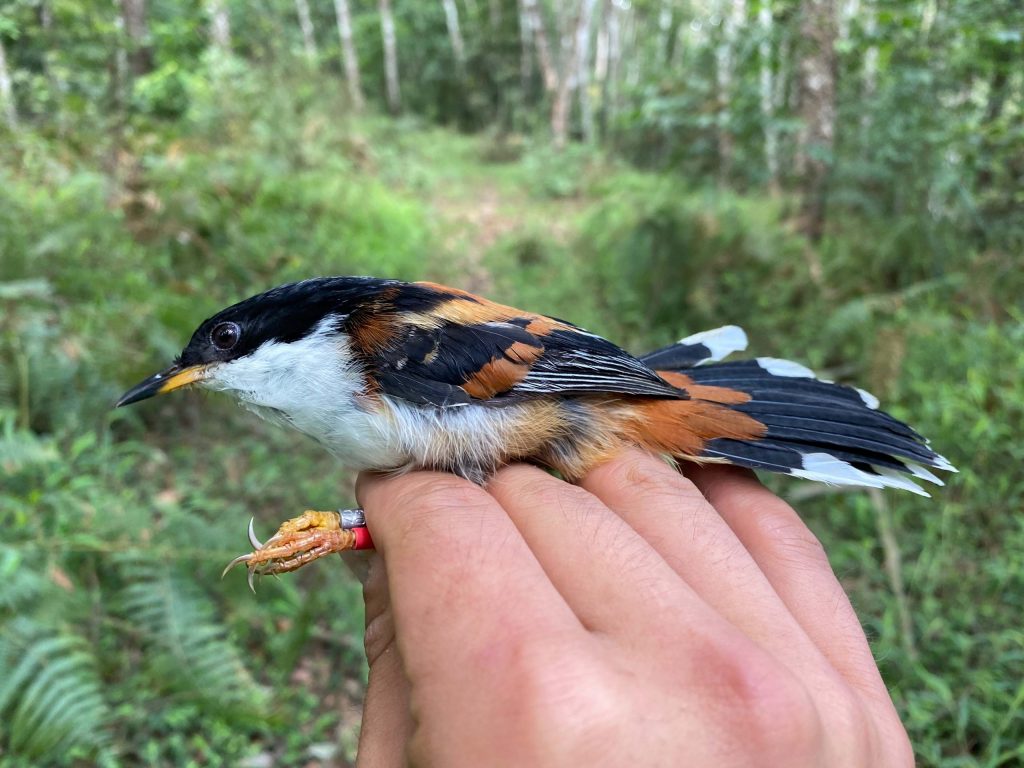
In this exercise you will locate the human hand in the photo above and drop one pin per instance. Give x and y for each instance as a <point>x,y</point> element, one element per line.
<point>642,619</point>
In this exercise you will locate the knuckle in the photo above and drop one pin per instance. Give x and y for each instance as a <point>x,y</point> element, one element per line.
<point>764,701</point>
<point>789,539</point>
<point>432,503</point>
<point>537,493</point>
<point>658,483</point>
<point>540,488</point>
<point>569,707</point>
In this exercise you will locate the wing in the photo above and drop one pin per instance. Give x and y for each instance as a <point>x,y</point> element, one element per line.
<point>438,346</point>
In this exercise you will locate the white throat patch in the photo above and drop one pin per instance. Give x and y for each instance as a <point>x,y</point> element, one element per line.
<point>313,385</point>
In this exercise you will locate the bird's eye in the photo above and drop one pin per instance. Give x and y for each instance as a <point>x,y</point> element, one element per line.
<point>225,335</point>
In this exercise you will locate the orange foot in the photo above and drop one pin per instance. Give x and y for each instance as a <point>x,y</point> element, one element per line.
<point>302,540</point>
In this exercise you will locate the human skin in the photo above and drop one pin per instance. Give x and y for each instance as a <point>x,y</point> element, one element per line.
<point>643,618</point>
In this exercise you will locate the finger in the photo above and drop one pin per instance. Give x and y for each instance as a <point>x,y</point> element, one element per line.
<point>589,553</point>
<point>668,511</point>
<point>466,592</point>
<point>793,560</point>
<point>387,721</point>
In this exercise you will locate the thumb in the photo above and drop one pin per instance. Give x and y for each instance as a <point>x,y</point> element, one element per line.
<point>387,722</point>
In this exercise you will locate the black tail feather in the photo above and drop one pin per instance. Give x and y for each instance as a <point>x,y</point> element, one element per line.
<point>814,429</point>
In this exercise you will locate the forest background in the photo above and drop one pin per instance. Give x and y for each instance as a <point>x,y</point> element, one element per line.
<point>845,178</point>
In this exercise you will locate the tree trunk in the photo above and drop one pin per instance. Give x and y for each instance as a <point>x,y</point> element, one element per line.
<point>220,25</point>
<point>768,103</point>
<point>631,43</point>
<point>540,37</point>
<point>348,55</point>
<point>10,110</point>
<point>561,104</point>
<point>308,34</point>
<point>451,19</point>
<point>582,64</point>
<point>601,49</point>
<point>733,13</point>
<point>118,68</point>
<point>817,85</point>
<point>614,63</point>
<point>663,46</point>
<point>140,53</point>
<point>387,29</point>
<point>560,113</point>
<point>526,43</point>
<point>870,65</point>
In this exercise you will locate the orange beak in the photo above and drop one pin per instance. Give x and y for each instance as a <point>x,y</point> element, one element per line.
<point>169,380</point>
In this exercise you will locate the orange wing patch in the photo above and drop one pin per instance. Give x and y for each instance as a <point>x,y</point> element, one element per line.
<point>682,427</point>
<point>704,392</point>
<point>465,308</point>
<point>502,373</point>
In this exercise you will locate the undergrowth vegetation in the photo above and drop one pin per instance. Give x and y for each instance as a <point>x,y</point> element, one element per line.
<point>118,644</point>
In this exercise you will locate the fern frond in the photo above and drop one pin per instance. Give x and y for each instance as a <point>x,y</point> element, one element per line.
<point>20,448</point>
<point>19,585</point>
<point>50,698</point>
<point>196,658</point>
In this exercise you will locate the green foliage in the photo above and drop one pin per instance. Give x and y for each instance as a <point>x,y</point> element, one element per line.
<point>51,699</point>
<point>668,260</point>
<point>192,652</point>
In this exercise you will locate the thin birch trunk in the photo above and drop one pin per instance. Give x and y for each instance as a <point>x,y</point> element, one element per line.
<point>582,64</point>
<point>348,55</point>
<point>561,104</point>
<point>540,37</point>
<point>817,83</point>
<point>870,65</point>
<point>451,20</point>
<point>387,30</point>
<point>9,108</point>
<point>665,27</point>
<point>733,14</point>
<point>119,67</point>
<point>526,42</point>
<point>308,33</point>
<point>140,54</point>
<point>768,102</point>
<point>614,61</point>
<point>220,25</point>
<point>632,39</point>
<point>601,49</point>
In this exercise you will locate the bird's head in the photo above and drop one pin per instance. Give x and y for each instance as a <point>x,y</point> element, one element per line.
<point>263,348</point>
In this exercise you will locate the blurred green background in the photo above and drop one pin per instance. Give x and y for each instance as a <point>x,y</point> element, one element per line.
<point>845,178</point>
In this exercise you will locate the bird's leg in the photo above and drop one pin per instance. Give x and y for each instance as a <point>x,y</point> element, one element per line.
<point>304,539</point>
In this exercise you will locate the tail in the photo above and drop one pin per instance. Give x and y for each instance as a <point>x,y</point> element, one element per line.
<point>776,415</point>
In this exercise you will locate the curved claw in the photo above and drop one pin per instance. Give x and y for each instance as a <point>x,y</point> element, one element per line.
<point>256,543</point>
<point>240,559</point>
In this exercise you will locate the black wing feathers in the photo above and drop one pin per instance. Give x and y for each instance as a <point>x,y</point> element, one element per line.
<point>452,348</point>
<point>575,361</point>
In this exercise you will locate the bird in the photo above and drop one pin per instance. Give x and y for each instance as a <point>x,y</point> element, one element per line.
<point>393,376</point>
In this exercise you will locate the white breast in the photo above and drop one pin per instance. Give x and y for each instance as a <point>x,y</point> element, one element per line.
<point>315,385</point>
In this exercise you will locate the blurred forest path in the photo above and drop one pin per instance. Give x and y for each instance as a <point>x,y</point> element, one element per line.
<point>477,210</point>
